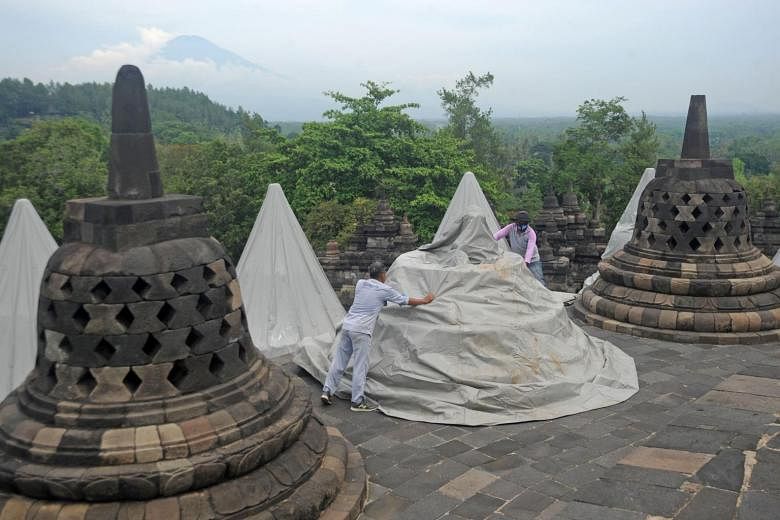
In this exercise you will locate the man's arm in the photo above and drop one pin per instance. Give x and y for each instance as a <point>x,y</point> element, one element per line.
<point>529,252</point>
<point>503,232</point>
<point>428,298</point>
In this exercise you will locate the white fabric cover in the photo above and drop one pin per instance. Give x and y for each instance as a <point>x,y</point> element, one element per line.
<point>469,194</point>
<point>624,229</point>
<point>776,259</point>
<point>24,251</point>
<point>494,347</point>
<point>286,294</point>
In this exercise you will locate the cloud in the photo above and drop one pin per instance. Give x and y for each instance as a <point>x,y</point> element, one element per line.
<point>151,41</point>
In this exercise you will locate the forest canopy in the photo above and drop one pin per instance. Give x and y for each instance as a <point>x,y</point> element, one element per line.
<point>54,140</point>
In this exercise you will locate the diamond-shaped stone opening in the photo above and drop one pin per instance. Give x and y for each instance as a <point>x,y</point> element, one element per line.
<point>742,225</point>
<point>81,316</point>
<point>242,353</point>
<point>65,345</point>
<point>131,381</point>
<point>50,379</point>
<point>728,227</point>
<point>193,338</point>
<point>726,197</point>
<point>665,196</point>
<point>151,346</point>
<point>696,212</point>
<point>216,365</point>
<point>178,281</point>
<point>204,305</point>
<point>651,239</point>
<point>105,350</point>
<point>736,212</point>
<point>67,288</point>
<point>644,223</point>
<point>671,243</point>
<point>719,212</point>
<point>243,320</point>
<point>100,291</point>
<point>674,211</point>
<point>706,227</point>
<point>706,198</point>
<point>662,225</point>
<point>51,310</point>
<point>686,198</point>
<point>740,195</point>
<point>718,245</point>
<point>178,373</point>
<point>125,317</point>
<point>166,313</point>
<point>654,209</point>
<point>86,383</point>
<point>140,287</point>
<point>695,244</point>
<point>737,242</point>
<point>684,227</point>
<point>224,328</point>
<point>208,274</point>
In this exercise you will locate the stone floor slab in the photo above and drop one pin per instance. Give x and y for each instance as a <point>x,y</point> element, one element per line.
<point>665,459</point>
<point>745,384</point>
<point>468,484</point>
<point>757,403</point>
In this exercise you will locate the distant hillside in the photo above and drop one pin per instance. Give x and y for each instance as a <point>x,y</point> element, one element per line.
<point>179,115</point>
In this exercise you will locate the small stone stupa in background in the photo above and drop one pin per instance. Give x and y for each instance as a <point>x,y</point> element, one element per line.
<point>691,272</point>
<point>382,239</point>
<point>148,398</point>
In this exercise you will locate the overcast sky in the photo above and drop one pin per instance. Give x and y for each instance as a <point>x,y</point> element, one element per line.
<point>547,56</point>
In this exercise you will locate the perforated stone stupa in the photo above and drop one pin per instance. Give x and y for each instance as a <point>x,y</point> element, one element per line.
<point>148,398</point>
<point>691,272</point>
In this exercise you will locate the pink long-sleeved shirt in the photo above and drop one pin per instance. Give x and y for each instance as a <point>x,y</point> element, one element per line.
<point>529,251</point>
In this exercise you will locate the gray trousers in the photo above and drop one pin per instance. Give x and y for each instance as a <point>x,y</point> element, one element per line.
<point>536,270</point>
<point>356,343</point>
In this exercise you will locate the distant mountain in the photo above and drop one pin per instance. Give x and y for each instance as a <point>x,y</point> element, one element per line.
<point>196,48</point>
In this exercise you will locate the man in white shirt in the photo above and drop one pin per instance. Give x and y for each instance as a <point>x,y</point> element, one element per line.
<point>358,326</point>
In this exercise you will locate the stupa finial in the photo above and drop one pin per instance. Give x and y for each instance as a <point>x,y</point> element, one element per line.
<point>696,143</point>
<point>132,172</point>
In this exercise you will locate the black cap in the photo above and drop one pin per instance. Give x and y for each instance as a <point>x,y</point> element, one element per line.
<point>521,217</point>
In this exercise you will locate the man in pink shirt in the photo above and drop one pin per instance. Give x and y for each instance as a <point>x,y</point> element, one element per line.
<point>522,240</point>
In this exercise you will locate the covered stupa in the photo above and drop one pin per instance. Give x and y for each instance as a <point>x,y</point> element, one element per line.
<point>494,347</point>
<point>286,293</point>
<point>690,272</point>
<point>624,229</point>
<point>148,398</point>
<point>24,250</point>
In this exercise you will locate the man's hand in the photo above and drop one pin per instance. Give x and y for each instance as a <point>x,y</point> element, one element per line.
<point>428,298</point>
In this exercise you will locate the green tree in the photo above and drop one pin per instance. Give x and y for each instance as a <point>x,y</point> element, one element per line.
<point>603,156</point>
<point>50,163</point>
<point>470,123</point>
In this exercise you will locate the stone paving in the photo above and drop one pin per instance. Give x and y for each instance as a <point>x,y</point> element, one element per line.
<point>698,441</point>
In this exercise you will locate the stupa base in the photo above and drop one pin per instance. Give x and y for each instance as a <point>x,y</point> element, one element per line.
<point>336,490</point>
<point>678,336</point>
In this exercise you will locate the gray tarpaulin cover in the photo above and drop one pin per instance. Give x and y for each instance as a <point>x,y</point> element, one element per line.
<point>624,229</point>
<point>494,347</point>
<point>286,294</point>
<point>776,259</point>
<point>24,252</point>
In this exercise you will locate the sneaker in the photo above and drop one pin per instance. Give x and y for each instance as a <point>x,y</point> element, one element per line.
<point>363,406</point>
<point>325,398</point>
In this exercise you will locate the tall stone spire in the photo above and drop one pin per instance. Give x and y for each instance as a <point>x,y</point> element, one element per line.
<point>696,143</point>
<point>132,171</point>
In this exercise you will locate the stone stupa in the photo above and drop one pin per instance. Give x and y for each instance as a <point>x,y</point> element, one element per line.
<point>148,398</point>
<point>690,272</point>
